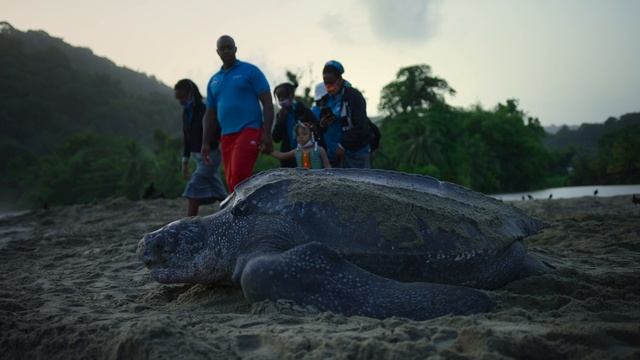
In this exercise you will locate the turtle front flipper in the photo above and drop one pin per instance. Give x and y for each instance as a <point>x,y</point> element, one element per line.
<point>313,274</point>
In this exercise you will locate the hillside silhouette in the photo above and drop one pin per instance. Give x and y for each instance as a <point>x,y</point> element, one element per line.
<point>586,138</point>
<point>52,90</point>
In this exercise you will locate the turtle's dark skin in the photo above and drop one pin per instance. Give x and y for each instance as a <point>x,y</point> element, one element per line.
<point>353,241</point>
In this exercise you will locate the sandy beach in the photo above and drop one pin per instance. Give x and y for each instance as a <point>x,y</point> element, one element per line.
<point>71,286</point>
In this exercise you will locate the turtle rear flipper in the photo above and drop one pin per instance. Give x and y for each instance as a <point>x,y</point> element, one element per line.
<point>313,274</point>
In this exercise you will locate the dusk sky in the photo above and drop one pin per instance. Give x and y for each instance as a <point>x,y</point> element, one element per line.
<point>568,61</point>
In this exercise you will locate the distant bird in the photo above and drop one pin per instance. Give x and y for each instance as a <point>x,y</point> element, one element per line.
<point>595,192</point>
<point>522,197</point>
<point>530,197</point>
<point>635,199</point>
<point>550,196</point>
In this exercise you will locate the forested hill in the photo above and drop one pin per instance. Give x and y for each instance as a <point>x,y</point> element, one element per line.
<point>51,90</point>
<point>84,60</point>
<point>585,139</point>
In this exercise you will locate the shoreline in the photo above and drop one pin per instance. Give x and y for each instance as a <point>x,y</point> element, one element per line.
<point>572,192</point>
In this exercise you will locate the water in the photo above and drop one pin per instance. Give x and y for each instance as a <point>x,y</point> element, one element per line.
<point>572,192</point>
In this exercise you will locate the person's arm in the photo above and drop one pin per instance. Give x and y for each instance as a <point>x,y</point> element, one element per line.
<point>280,129</point>
<point>325,159</point>
<point>284,155</point>
<point>209,129</point>
<point>185,153</point>
<point>266,144</point>
<point>359,134</point>
<point>260,87</point>
<point>210,126</point>
<point>326,120</point>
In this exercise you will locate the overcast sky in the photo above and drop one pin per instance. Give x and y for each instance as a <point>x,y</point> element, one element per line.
<point>568,61</point>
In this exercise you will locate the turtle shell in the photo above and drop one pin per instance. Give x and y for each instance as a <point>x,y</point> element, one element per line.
<point>380,211</point>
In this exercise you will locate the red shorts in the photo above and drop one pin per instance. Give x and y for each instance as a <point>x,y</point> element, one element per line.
<point>239,154</point>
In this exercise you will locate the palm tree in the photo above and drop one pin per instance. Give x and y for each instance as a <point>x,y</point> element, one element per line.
<point>413,88</point>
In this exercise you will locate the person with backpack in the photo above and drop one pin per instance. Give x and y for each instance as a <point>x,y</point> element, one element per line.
<point>375,140</point>
<point>290,114</point>
<point>343,117</point>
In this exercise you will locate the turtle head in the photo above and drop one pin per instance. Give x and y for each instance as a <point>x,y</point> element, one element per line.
<point>178,253</point>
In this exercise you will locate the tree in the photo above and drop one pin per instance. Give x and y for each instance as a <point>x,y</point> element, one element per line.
<point>618,160</point>
<point>84,168</point>
<point>487,150</point>
<point>414,88</point>
<point>306,98</point>
<point>167,176</point>
<point>137,171</point>
<point>514,155</point>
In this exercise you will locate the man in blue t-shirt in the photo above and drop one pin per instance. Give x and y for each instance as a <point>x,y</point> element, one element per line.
<point>234,95</point>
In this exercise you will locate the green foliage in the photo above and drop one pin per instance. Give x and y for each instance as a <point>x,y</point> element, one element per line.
<point>88,167</point>
<point>489,151</point>
<point>50,93</point>
<point>84,168</point>
<point>167,174</point>
<point>51,90</point>
<point>616,162</point>
<point>585,139</point>
<point>497,150</point>
<point>620,155</point>
<point>555,181</point>
<point>137,171</point>
<point>265,162</point>
<point>514,157</point>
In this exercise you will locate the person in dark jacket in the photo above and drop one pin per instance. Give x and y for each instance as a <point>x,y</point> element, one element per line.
<point>205,185</point>
<point>291,112</point>
<point>346,109</point>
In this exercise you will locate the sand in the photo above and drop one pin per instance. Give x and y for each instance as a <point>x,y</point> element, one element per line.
<point>72,287</point>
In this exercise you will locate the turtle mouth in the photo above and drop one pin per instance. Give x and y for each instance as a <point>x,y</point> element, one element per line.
<point>159,268</point>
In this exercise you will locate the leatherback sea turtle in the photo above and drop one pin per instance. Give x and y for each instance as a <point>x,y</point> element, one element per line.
<point>351,241</point>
